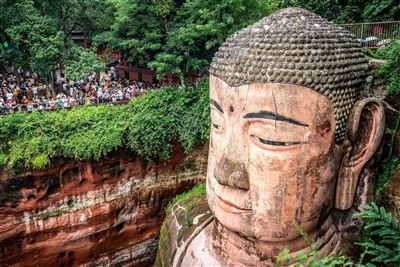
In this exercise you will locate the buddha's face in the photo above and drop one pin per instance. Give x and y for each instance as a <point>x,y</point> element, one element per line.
<point>272,159</point>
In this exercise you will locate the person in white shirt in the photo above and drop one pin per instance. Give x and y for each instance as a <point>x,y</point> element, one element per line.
<point>29,107</point>
<point>35,90</point>
<point>9,96</point>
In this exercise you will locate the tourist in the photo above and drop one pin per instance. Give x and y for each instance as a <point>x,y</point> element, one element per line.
<point>29,107</point>
<point>2,106</point>
<point>9,96</point>
<point>18,95</point>
<point>59,103</point>
<point>52,104</point>
<point>29,93</point>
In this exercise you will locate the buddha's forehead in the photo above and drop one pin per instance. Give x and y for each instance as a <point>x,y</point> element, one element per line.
<point>293,101</point>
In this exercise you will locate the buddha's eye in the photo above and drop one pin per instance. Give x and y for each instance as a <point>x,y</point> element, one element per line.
<point>273,143</point>
<point>217,121</point>
<point>269,136</point>
<point>216,126</point>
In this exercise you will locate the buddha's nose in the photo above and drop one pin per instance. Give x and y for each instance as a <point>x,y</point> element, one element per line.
<point>232,173</point>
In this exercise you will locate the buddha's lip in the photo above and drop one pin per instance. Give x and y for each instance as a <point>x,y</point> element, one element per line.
<point>229,206</point>
<point>230,199</point>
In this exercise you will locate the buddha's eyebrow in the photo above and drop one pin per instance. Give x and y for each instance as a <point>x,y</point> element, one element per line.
<point>273,116</point>
<point>216,105</point>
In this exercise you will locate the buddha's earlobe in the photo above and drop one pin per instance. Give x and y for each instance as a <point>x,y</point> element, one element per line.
<point>364,135</point>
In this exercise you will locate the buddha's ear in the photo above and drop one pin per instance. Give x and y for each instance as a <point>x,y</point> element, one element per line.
<point>364,134</point>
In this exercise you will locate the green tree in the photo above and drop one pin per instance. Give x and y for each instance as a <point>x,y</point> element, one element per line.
<point>199,27</point>
<point>39,33</point>
<point>174,36</point>
<point>37,45</point>
<point>137,31</point>
<point>82,62</point>
<point>350,11</point>
<point>381,10</point>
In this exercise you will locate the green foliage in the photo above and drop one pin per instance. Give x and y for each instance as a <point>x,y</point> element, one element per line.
<point>37,42</point>
<point>311,258</point>
<point>381,10</point>
<point>167,117</point>
<point>170,36</point>
<point>150,125</point>
<point>381,240</point>
<point>388,167</point>
<point>3,159</point>
<point>198,190</point>
<point>369,52</point>
<point>199,27</point>
<point>340,12</point>
<point>136,30</point>
<point>82,62</point>
<point>176,36</point>
<point>39,33</point>
<point>380,243</point>
<point>389,73</point>
<point>350,11</point>
<point>165,35</point>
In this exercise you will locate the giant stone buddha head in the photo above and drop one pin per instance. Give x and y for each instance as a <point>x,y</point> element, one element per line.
<point>292,131</point>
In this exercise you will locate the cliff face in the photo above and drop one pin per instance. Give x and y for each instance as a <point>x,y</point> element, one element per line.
<point>390,197</point>
<point>91,213</point>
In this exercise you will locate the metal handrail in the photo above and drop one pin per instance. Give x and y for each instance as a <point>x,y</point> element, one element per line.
<point>374,34</point>
<point>360,23</point>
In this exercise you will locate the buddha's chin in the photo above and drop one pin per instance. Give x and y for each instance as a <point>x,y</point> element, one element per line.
<point>242,222</point>
<point>235,219</point>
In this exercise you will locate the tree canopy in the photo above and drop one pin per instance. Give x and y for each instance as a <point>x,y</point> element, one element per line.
<point>39,33</point>
<point>350,11</point>
<point>180,35</point>
<point>169,36</point>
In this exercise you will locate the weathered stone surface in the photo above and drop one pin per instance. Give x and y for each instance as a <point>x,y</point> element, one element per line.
<point>91,213</point>
<point>392,105</point>
<point>390,197</point>
<point>181,225</point>
<point>294,46</point>
<point>289,149</point>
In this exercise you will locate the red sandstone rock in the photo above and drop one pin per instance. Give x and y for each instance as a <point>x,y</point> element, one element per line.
<point>91,213</point>
<point>391,195</point>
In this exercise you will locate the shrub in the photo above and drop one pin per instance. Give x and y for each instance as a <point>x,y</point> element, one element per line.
<point>389,73</point>
<point>198,190</point>
<point>166,117</point>
<point>311,258</point>
<point>387,169</point>
<point>149,125</point>
<point>381,237</point>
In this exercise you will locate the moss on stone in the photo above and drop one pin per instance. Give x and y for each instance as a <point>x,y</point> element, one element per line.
<point>183,215</point>
<point>162,246</point>
<point>198,190</point>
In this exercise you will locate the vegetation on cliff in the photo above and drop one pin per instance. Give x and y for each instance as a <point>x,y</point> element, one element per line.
<point>388,74</point>
<point>149,126</point>
<point>199,190</point>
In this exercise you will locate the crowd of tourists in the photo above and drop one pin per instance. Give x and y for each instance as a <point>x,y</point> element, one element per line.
<point>29,94</point>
